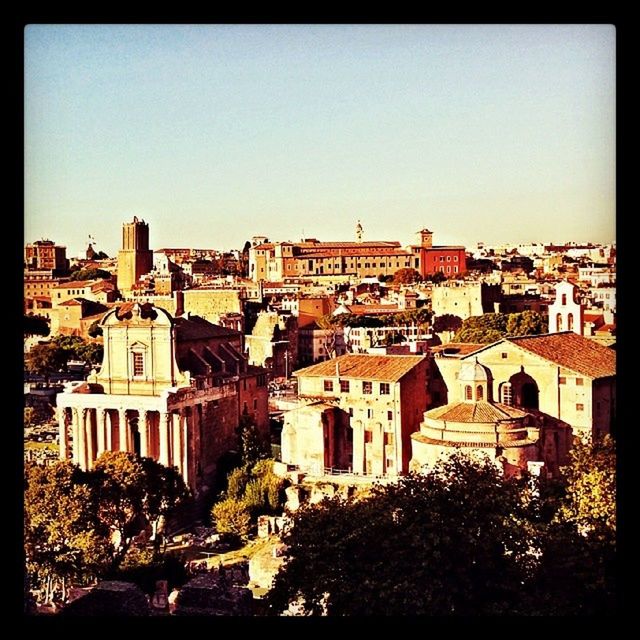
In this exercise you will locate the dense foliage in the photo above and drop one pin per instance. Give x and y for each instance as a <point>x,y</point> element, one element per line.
<point>491,327</point>
<point>90,273</point>
<point>34,325</point>
<point>459,540</point>
<point>252,490</point>
<point>51,356</point>
<point>80,524</point>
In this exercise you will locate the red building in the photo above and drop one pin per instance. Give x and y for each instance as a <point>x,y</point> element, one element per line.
<point>449,260</point>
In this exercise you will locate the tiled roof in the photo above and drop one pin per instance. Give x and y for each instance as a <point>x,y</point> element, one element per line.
<point>508,444</point>
<point>479,412</point>
<point>196,328</point>
<point>572,351</point>
<point>364,366</point>
<point>393,251</point>
<point>363,309</point>
<point>74,284</point>
<point>455,349</point>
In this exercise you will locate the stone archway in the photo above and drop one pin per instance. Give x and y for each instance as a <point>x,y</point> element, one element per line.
<point>525,390</point>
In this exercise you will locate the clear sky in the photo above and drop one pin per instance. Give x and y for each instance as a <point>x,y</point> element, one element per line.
<point>212,134</point>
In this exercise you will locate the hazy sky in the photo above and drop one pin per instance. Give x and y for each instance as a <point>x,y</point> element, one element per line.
<point>213,134</point>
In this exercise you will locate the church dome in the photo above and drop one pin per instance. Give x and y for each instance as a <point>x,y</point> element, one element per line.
<point>473,372</point>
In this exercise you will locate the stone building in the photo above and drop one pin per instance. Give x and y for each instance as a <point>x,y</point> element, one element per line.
<point>46,257</point>
<point>356,414</point>
<point>566,313</point>
<point>135,258</point>
<point>465,299</point>
<point>566,376</point>
<point>273,343</point>
<point>169,388</point>
<point>475,424</point>
<point>274,261</point>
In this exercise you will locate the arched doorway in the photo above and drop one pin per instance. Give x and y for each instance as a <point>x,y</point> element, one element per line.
<point>525,390</point>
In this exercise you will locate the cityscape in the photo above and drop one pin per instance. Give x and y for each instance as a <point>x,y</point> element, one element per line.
<point>360,419</point>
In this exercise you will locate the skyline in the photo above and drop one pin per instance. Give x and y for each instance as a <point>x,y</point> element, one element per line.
<point>304,129</point>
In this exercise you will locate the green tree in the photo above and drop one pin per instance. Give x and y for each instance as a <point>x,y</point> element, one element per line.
<point>526,323</point>
<point>34,325</point>
<point>406,276</point>
<point>44,359</point>
<point>89,274</point>
<point>95,329</point>
<point>452,541</point>
<point>63,539</point>
<point>134,493</point>
<point>447,322</point>
<point>590,501</point>
<point>233,517</point>
<point>436,277</point>
<point>251,445</point>
<point>487,328</point>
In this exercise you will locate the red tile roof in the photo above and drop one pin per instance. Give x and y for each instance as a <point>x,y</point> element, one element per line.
<point>572,351</point>
<point>477,412</point>
<point>364,366</point>
<point>74,284</point>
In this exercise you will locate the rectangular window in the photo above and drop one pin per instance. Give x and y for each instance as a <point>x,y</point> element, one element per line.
<point>138,364</point>
<point>368,436</point>
<point>367,387</point>
<point>455,258</point>
<point>328,385</point>
<point>369,413</point>
<point>351,411</point>
<point>388,437</point>
<point>562,380</point>
<point>344,386</point>
<point>389,416</point>
<point>504,355</point>
<point>448,258</point>
<point>579,382</point>
<point>579,407</point>
<point>384,389</point>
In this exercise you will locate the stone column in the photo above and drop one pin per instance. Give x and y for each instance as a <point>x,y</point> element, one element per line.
<point>75,429</point>
<point>377,448</point>
<point>186,458</point>
<point>82,438</point>
<point>123,428</point>
<point>176,449</point>
<point>164,434</point>
<point>90,444</point>
<point>62,433</point>
<point>108,430</point>
<point>358,447</point>
<point>143,429</point>
<point>100,428</point>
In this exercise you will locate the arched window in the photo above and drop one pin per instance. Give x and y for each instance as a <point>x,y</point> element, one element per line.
<point>479,392</point>
<point>468,392</point>
<point>506,396</point>
<point>570,322</point>
<point>559,322</point>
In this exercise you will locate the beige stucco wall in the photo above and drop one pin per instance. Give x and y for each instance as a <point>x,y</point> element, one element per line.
<point>210,304</point>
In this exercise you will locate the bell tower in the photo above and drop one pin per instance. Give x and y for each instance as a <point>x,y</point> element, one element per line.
<point>134,259</point>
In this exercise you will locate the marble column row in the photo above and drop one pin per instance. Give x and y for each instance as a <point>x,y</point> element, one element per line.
<point>169,437</point>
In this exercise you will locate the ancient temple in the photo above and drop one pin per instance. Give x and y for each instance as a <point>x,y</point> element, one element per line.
<point>172,389</point>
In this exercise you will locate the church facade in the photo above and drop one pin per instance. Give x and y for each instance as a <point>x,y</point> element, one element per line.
<point>169,388</point>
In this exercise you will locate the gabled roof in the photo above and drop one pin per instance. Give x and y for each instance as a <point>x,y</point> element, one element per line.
<point>364,366</point>
<point>568,350</point>
<point>197,328</point>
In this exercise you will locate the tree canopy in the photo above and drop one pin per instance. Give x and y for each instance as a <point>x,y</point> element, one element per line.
<point>34,325</point>
<point>48,357</point>
<point>90,273</point>
<point>460,539</point>
<point>80,524</point>
<point>491,327</point>
<point>406,276</point>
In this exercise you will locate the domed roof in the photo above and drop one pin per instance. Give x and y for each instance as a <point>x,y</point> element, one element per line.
<point>473,372</point>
